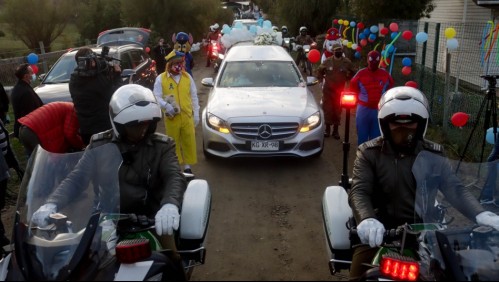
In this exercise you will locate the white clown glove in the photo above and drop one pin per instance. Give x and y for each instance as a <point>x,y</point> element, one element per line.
<point>40,217</point>
<point>167,219</point>
<point>371,231</point>
<point>169,110</point>
<point>488,218</point>
<point>196,120</point>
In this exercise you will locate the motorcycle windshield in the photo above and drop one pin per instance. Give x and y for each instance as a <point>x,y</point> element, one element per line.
<point>447,198</point>
<point>85,187</point>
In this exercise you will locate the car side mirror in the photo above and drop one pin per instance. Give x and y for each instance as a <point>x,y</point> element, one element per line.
<point>208,82</point>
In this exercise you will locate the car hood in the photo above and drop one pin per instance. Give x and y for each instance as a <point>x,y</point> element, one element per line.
<point>247,102</point>
<point>53,92</point>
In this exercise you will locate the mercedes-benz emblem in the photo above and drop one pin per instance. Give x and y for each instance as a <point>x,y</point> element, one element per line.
<point>265,131</point>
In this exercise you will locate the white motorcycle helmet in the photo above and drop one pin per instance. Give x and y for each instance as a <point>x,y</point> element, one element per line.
<point>284,29</point>
<point>132,104</point>
<point>275,28</point>
<point>303,29</point>
<point>403,104</point>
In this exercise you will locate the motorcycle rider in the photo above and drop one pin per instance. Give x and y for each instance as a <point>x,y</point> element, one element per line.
<point>151,181</point>
<point>303,39</point>
<point>214,34</point>
<point>383,186</point>
<point>286,34</point>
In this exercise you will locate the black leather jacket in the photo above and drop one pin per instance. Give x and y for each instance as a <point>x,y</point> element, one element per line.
<point>149,177</point>
<point>384,186</point>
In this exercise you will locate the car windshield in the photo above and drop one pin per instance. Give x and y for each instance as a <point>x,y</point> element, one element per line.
<point>61,71</point>
<point>259,74</point>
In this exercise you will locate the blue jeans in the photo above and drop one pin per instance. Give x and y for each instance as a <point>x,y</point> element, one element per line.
<point>489,188</point>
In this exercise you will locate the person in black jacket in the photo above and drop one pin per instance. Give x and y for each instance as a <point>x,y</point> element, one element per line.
<point>23,98</point>
<point>160,52</point>
<point>4,105</point>
<point>91,86</point>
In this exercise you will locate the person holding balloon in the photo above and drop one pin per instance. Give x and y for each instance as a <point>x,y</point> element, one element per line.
<point>370,84</point>
<point>23,97</point>
<point>335,72</point>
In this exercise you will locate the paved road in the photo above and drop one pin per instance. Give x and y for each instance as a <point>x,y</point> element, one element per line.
<point>266,220</point>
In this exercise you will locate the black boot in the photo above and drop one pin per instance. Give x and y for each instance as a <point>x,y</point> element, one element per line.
<point>327,132</point>
<point>336,135</point>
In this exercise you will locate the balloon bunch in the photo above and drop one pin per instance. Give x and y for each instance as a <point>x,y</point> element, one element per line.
<point>32,59</point>
<point>452,43</point>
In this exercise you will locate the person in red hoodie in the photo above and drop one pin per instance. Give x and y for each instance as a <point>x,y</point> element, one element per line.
<point>54,126</point>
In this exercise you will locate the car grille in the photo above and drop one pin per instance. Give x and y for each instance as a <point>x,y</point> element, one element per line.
<point>254,131</point>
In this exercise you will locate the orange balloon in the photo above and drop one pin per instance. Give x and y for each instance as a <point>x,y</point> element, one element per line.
<point>314,56</point>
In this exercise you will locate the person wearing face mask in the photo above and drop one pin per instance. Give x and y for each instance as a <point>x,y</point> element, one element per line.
<point>176,93</point>
<point>370,84</point>
<point>335,72</point>
<point>23,98</point>
<point>383,190</point>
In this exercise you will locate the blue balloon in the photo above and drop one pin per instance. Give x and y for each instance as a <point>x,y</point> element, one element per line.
<point>362,36</point>
<point>357,55</point>
<point>390,48</point>
<point>252,29</point>
<point>406,62</point>
<point>32,58</point>
<point>366,31</point>
<point>372,36</point>
<point>352,24</point>
<point>421,37</point>
<point>489,137</point>
<point>393,35</point>
<point>374,28</point>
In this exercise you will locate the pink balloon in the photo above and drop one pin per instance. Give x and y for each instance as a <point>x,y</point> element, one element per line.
<point>394,27</point>
<point>406,70</point>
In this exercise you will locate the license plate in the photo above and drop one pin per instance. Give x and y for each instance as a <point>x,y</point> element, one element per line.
<point>265,145</point>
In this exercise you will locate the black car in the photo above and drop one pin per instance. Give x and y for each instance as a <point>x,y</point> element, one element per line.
<point>134,61</point>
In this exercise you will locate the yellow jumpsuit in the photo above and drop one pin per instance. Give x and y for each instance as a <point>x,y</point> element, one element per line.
<point>181,127</point>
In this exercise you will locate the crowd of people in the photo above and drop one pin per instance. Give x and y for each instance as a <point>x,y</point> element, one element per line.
<point>391,123</point>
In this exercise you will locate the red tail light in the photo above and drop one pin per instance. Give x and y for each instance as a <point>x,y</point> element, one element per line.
<point>130,251</point>
<point>348,99</point>
<point>399,267</point>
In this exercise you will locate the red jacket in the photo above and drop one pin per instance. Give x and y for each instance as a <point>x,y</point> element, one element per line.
<point>56,126</point>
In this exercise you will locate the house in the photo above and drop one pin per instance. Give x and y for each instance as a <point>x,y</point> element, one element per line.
<point>472,24</point>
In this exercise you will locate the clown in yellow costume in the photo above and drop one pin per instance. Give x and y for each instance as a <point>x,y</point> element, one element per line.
<point>176,92</point>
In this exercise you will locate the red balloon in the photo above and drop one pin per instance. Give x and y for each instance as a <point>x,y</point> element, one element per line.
<point>359,48</point>
<point>384,31</point>
<point>412,84</point>
<point>360,26</point>
<point>394,27</point>
<point>314,56</point>
<point>407,35</point>
<point>148,49</point>
<point>406,70</point>
<point>34,68</point>
<point>363,42</point>
<point>459,119</point>
<point>335,21</point>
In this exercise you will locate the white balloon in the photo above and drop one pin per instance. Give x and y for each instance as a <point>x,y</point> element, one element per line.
<point>452,44</point>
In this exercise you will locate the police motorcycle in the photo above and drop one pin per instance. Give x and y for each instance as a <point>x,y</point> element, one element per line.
<point>287,41</point>
<point>89,239</point>
<point>442,245</point>
<point>304,62</point>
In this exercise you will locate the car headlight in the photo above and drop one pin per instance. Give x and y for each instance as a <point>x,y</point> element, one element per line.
<point>311,122</point>
<point>217,123</point>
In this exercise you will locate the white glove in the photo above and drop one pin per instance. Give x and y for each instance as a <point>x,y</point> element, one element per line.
<point>196,120</point>
<point>169,110</point>
<point>488,218</point>
<point>371,231</point>
<point>40,217</point>
<point>167,219</point>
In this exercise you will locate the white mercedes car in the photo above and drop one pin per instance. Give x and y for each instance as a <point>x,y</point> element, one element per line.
<point>261,106</point>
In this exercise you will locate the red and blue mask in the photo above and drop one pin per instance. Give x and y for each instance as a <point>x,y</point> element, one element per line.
<point>373,59</point>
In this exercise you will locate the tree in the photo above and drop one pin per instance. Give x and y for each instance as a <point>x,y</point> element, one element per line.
<point>33,21</point>
<point>95,16</point>
<point>386,9</point>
